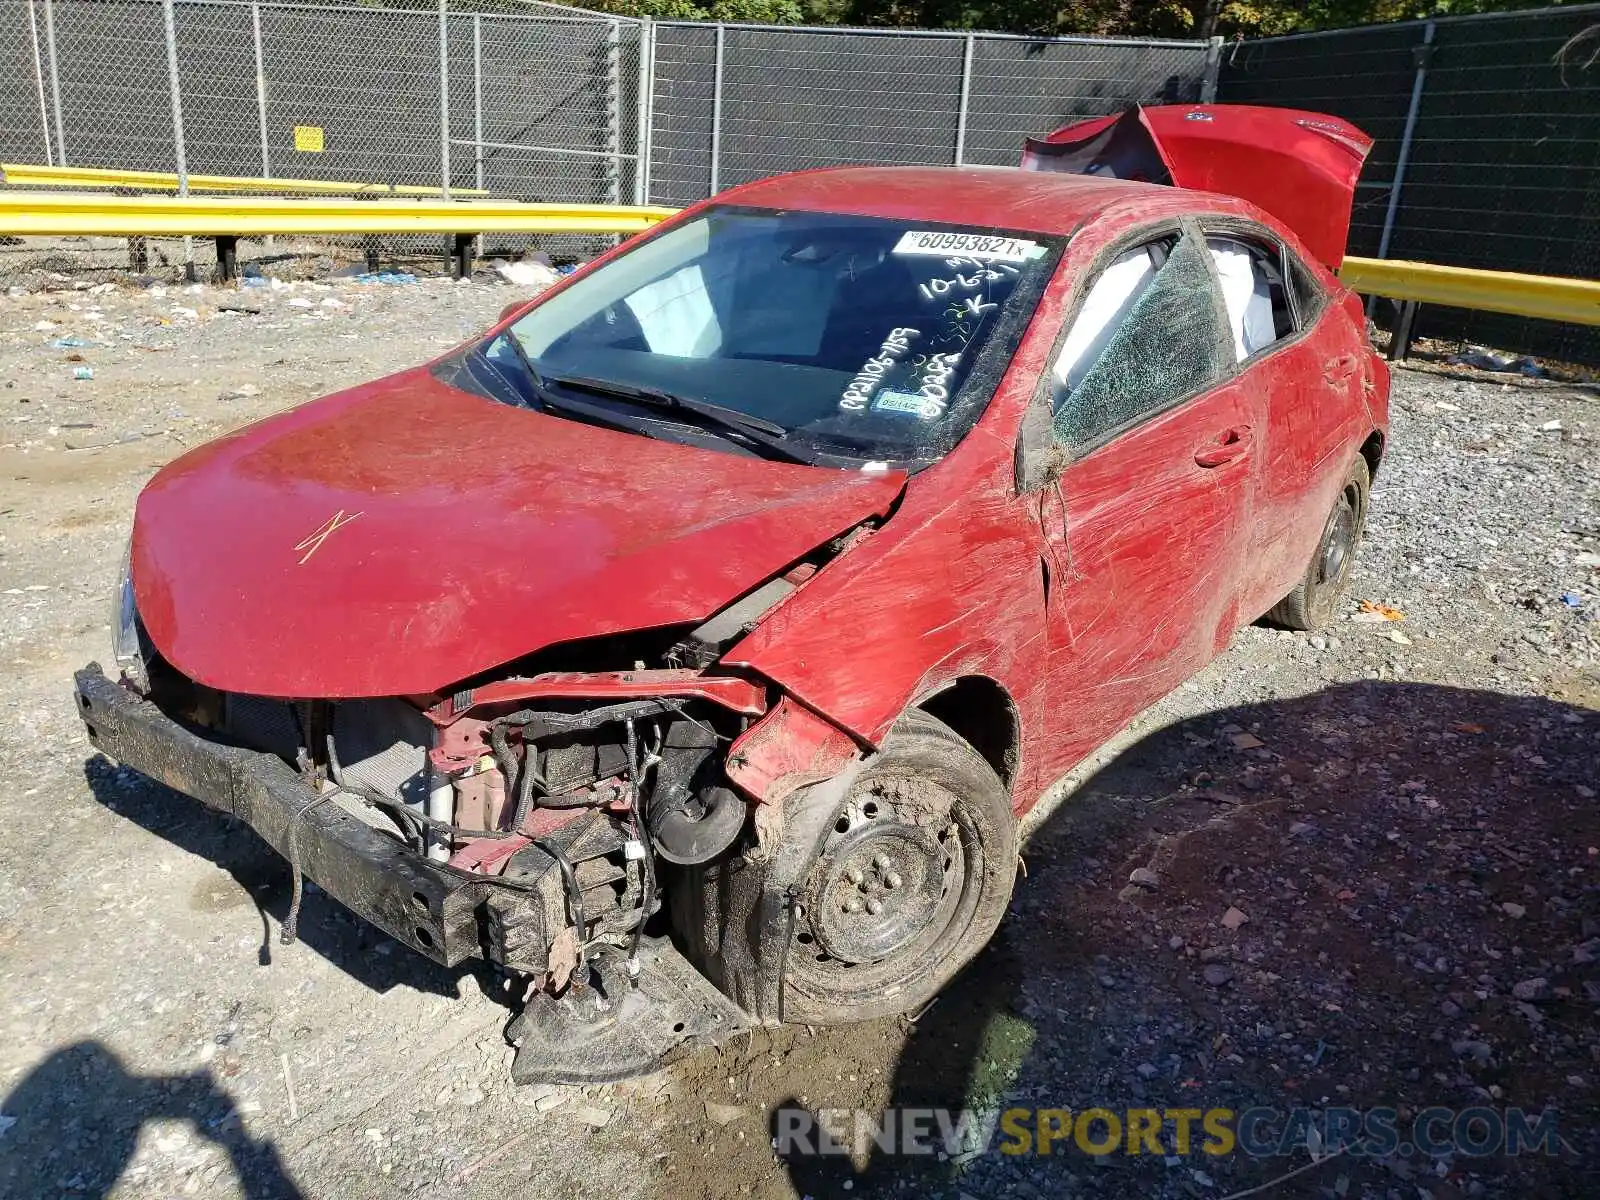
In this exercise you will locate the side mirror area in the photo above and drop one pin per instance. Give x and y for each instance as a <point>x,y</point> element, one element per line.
<point>1039,455</point>
<point>511,310</point>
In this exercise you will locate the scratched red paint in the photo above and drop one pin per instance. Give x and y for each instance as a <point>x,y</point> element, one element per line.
<point>487,533</point>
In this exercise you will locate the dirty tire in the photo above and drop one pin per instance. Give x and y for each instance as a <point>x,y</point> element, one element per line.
<point>1315,600</point>
<point>909,884</point>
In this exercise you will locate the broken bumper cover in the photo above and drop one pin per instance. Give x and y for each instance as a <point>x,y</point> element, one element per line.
<point>436,911</point>
<point>433,910</point>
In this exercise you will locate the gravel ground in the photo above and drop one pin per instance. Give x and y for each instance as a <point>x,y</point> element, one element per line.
<point>1403,813</point>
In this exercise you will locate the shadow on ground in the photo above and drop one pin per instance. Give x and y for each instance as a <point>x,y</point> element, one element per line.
<point>360,950</point>
<point>1407,855</point>
<point>74,1121</point>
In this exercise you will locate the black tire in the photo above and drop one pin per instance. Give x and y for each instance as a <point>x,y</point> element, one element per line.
<point>928,836</point>
<point>1315,600</point>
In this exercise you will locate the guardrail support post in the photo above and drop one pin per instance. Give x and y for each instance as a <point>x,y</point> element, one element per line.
<point>227,258</point>
<point>1400,340</point>
<point>461,255</point>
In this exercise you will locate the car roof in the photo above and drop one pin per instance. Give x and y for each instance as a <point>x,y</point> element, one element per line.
<point>997,197</point>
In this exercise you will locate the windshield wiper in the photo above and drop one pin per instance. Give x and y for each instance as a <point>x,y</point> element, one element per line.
<point>767,434</point>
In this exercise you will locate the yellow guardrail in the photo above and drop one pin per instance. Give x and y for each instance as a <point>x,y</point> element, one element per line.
<point>1553,297</point>
<point>91,214</point>
<point>32,175</point>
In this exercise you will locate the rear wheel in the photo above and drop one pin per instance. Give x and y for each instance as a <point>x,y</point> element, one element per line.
<point>1315,600</point>
<point>909,883</point>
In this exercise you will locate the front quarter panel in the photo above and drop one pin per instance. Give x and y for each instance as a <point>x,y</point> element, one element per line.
<point>951,586</point>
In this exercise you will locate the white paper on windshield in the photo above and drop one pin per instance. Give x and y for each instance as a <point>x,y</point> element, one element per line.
<point>981,247</point>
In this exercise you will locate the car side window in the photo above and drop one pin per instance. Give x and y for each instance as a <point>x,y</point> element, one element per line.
<point>1253,290</point>
<point>1149,334</point>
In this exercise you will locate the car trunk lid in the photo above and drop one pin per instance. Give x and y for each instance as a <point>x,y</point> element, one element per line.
<point>1301,167</point>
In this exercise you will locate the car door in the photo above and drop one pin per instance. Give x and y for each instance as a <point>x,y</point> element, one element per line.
<point>1146,528</point>
<point>1303,370</point>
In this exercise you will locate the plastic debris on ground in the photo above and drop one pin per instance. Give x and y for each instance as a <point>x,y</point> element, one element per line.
<point>386,277</point>
<point>527,274</point>
<point>70,343</point>
<point>1572,599</point>
<point>83,373</point>
<point>1489,360</point>
<point>1372,611</point>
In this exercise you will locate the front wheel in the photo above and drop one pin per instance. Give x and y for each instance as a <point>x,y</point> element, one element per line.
<point>909,882</point>
<point>1315,600</point>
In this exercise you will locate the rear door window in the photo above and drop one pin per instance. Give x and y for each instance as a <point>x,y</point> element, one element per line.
<point>1253,292</point>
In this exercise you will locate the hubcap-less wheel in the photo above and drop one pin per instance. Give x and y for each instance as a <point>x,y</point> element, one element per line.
<point>1315,600</point>
<point>1340,540</point>
<point>891,881</point>
<point>877,888</point>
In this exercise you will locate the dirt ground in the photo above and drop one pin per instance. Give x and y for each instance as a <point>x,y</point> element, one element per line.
<point>1402,812</point>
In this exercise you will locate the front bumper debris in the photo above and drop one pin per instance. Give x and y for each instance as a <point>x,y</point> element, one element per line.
<point>436,910</point>
<point>429,908</point>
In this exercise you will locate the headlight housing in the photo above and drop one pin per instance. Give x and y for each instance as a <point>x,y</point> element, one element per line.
<point>130,646</point>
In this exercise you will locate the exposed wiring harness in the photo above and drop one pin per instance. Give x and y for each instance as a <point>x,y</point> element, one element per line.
<point>641,833</point>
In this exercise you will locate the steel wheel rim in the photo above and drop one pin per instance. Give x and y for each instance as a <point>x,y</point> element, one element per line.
<point>896,947</point>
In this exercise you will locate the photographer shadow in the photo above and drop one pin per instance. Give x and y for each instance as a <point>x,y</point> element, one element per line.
<point>72,1125</point>
<point>360,950</point>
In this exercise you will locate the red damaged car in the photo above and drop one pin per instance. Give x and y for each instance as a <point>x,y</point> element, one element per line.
<point>689,645</point>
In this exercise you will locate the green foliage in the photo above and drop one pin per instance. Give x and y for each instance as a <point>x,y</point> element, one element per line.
<point>762,12</point>
<point>1129,18</point>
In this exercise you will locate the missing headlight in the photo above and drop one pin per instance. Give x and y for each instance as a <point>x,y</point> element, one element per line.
<point>130,645</point>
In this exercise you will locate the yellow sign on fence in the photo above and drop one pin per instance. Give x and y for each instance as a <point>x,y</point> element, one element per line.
<point>308,139</point>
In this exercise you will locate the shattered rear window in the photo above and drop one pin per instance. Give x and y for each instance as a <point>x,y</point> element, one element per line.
<point>865,339</point>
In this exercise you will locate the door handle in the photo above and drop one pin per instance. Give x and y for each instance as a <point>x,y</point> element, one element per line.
<point>1230,445</point>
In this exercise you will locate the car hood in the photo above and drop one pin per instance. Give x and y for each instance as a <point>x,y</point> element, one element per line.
<point>1299,166</point>
<point>402,536</point>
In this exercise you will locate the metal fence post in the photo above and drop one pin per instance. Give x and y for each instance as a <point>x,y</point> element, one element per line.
<point>641,170</point>
<point>966,100</point>
<point>178,151</point>
<point>261,89</point>
<point>716,110</point>
<point>477,101</point>
<point>1208,82</point>
<point>614,112</point>
<point>1423,53</point>
<point>444,100</point>
<point>38,82</point>
<point>55,79</point>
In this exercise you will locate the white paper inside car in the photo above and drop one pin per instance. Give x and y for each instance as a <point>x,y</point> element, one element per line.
<point>1103,311</point>
<point>676,316</point>
<point>1245,294</point>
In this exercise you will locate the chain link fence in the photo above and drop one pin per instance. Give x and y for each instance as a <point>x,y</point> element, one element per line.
<point>732,103</point>
<point>544,103</point>
<point>1487,151</point>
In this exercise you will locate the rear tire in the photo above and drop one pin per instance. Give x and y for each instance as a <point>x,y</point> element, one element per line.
<point>909,883</point>
<point>1315,600</point>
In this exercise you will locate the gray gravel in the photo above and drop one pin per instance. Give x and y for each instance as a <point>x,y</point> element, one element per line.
<point>1409,844</point>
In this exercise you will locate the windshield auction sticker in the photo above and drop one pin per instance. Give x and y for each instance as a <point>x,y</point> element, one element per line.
<point>980,247</point>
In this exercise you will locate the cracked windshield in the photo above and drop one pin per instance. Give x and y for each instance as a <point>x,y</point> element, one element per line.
<point>829,338</point>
